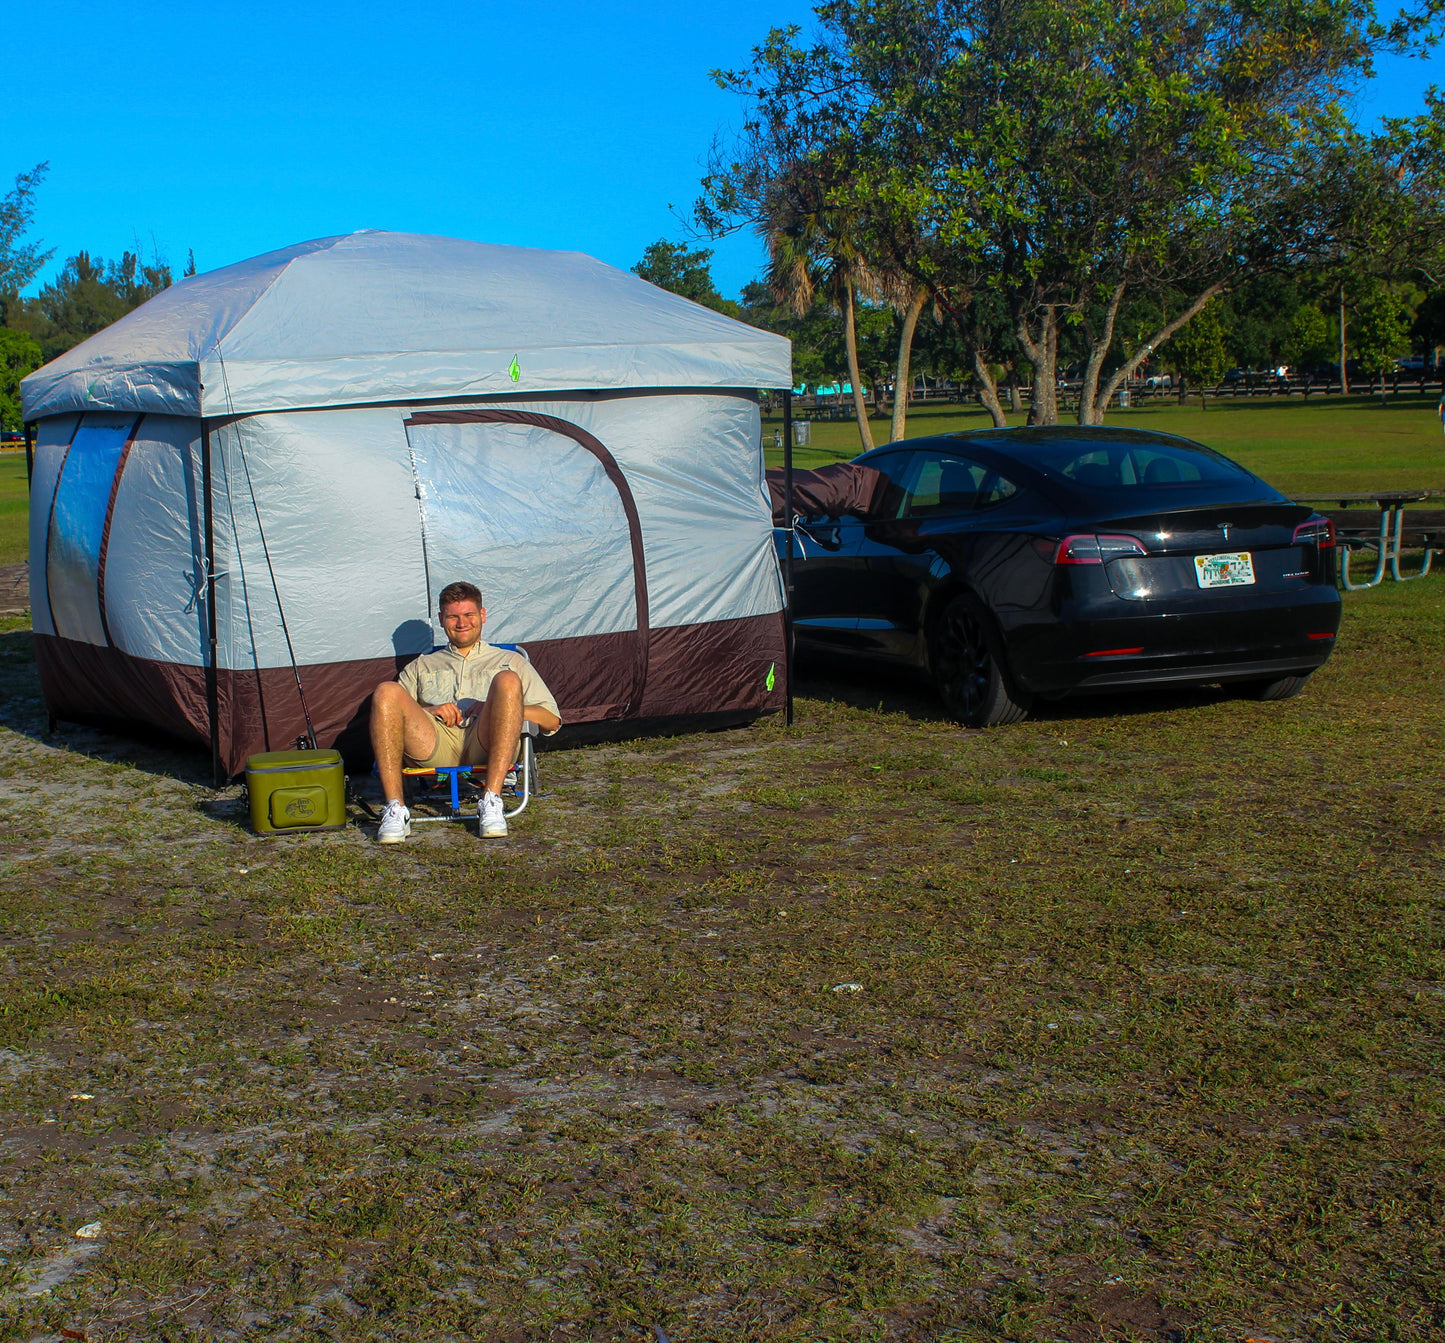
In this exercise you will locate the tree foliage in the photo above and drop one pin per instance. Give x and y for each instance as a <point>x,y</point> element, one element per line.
<point>686,271</point>
<point>87,296</point>
<point>1199,352</point>
<point>19,356</point>
<point>1075,160</point>
<point>20,262</point>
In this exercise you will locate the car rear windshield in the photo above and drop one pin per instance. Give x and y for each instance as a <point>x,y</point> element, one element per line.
<point>1122,465</point>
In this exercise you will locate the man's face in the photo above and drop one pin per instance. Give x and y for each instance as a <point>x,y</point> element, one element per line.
<point>463,623</point>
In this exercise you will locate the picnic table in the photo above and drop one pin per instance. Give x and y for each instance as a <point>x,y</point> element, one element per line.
<point>1389,538</point>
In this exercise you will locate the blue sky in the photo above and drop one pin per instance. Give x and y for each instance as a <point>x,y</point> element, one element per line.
<point>237,129</point>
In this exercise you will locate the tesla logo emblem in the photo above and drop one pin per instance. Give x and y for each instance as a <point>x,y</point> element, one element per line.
<point>1224,527</point>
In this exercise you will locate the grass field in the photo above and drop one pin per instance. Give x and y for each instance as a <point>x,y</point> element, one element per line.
<point>14,508</point>
<point>1123,1023</point>
<point>1326,443</point>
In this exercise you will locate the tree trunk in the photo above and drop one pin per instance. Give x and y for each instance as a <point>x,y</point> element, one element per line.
<point>1120,374</point>
<point>850,340</point>
<point>1344,357</point>
<point>1089,412</point>
<point>902,375</point>
<point>1043,355</point>
<point>988,390</point>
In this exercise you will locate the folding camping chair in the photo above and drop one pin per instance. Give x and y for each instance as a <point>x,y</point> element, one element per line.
<point>520,784</point>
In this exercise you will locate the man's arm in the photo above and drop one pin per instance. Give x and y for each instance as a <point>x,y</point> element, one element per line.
<point>544,718</point>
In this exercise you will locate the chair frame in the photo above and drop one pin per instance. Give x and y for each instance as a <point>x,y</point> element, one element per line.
<point>522,775</point>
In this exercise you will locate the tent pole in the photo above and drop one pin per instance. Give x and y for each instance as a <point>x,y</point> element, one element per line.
<point>788,553</point>
<point>213,685</point>
<point>29,453</point>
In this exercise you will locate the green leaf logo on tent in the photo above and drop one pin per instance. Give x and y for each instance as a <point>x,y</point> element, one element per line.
<point>514,371</point>
<point>772,677</point>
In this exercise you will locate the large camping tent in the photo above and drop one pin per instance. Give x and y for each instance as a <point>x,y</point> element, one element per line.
<point>268,472</point>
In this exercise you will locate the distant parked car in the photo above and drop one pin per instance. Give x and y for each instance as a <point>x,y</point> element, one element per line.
<point>1159,381</point>
<point>1016,564</point>
<point>10,436</point>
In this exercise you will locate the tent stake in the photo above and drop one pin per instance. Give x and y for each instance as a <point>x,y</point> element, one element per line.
<point>213,685</point>
<point>788,554</point>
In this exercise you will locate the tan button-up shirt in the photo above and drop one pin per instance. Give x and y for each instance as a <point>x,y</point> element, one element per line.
<point>449,677</point>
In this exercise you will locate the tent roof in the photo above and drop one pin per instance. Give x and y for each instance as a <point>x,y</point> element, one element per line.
<point>374,316</point>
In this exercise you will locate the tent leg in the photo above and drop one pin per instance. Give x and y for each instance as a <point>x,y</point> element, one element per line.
<point>29,453</point>
<point>213,686</point>
<point>788,553</point>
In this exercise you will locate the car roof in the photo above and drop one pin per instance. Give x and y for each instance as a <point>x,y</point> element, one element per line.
<point>1017,441</point>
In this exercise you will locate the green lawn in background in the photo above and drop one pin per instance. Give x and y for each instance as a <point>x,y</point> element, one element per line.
<point>1326,443</point>
<point>14,508</point>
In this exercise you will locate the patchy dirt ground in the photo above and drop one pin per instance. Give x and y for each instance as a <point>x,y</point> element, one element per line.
<point>1121,1024</point>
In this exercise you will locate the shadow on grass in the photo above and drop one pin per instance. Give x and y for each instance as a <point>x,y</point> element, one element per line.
<point>908,694</point>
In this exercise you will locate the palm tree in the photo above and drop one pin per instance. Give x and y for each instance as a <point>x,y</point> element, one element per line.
<point>812,251</point>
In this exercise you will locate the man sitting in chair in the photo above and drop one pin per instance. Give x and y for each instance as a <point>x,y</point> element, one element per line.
<point>463,705</point>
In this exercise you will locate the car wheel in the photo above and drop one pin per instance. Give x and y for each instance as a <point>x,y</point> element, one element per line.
<point>1285,687</point>
<point>966,659</point>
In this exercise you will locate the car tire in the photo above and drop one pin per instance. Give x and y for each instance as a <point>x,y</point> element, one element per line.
<point>965,657</point>
<point>1285,687</point>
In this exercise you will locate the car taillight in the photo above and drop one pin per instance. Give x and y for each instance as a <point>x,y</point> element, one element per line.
<point>1316,531</point>
<point>1087,548</point>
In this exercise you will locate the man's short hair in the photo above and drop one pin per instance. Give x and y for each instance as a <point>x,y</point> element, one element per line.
<point>459,592</point>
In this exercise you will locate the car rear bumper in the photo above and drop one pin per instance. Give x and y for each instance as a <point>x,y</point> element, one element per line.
<point>1189,648</point>
<point>1200,674</point>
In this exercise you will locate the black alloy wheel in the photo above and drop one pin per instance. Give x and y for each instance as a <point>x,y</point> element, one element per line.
<point>966,659</point>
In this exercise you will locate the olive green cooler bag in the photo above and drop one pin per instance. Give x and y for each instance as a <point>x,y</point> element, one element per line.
<point>293,791</point>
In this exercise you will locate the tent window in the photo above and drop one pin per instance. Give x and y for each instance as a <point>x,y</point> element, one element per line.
<point>77,526</point>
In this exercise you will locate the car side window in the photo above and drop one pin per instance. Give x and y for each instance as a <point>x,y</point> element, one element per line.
<point>944,482</point>
<point>1121,465</point>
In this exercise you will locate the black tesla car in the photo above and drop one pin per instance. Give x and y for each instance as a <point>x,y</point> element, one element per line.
<point>1012,564</point>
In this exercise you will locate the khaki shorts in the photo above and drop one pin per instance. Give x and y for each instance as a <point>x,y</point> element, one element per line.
<point>455,746</point>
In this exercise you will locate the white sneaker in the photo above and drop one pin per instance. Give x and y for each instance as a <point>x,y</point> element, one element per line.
<point>493,821</point>
<point>395,824</point>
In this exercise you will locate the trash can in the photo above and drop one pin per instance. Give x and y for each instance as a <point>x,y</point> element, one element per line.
<point>802,433</point>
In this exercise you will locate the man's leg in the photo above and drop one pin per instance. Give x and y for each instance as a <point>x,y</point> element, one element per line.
<point>499,727</point>
<point>399,727</point>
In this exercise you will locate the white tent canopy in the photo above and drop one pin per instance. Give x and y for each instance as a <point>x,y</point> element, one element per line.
<point>369,317</point>
<point>262,478</point>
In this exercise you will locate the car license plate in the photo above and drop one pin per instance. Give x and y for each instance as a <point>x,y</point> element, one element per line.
<point>1224,571</point>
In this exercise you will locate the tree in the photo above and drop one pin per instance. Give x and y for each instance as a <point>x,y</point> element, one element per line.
<point>681,270</point>
<point>813,253</point>
<point>1427,331</point>
<point>818,356</point>
<point>19,356</point>
<point>1199,353</point>
<point>1381,328</point>
<point>1069,157</point>
<point>87,296</point>
<point>1307,341</point>
<point>19,264</point>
